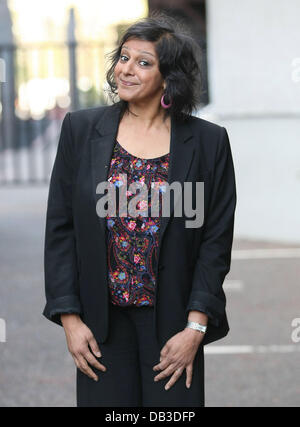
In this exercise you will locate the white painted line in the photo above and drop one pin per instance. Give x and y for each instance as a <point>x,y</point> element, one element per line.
<point>233,285</point>
<point>242,349</point>
<point>228,349</point>
<point>2,330</point>
<point>265,253</point>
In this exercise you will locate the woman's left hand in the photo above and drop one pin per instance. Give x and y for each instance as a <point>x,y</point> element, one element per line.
<point>177,355</point>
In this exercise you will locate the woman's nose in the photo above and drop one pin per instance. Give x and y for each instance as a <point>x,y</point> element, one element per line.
<point>127,68</point>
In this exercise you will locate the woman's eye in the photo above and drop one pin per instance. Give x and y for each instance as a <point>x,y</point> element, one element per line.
<point>125,58</point>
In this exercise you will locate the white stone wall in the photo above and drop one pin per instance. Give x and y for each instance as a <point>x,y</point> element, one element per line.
<point>254,81</point>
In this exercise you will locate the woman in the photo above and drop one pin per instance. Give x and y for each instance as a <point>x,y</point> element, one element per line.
<point>135,294</point>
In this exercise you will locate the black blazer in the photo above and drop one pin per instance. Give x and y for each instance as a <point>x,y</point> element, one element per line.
<point>192,262</point>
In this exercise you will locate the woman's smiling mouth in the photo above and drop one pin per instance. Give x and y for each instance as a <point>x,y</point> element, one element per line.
<point>123,82</point>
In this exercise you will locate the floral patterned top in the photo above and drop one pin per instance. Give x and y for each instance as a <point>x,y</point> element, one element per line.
<point>132,242</point>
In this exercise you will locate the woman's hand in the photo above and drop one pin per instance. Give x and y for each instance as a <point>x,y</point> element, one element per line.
<point>178,354</point>
<point>79,336</point>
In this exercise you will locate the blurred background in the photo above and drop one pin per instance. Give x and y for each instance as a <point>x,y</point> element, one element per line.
<point>52,60</point>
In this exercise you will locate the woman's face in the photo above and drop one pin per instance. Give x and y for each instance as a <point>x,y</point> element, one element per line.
<point>137,72</point>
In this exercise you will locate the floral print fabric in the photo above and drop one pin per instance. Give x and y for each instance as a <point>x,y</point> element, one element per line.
<point>132,242</point>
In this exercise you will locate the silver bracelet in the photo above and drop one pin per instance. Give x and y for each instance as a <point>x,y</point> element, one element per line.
<point>196,326</point>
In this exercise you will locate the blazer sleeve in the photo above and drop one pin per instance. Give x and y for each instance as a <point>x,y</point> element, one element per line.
<point>214,257</point>
<point>60,262</point>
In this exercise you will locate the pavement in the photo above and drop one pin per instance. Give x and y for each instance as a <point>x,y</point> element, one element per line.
<point>257,364</point>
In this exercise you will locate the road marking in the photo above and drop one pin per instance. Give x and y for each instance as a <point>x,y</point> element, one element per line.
<point>2,330</point>
<point>246,349</point>
<point>233,285</point>
<point>265,253</point>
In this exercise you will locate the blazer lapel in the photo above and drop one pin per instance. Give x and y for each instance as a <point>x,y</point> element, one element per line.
<point>102,150</point>
<point>181,155</point>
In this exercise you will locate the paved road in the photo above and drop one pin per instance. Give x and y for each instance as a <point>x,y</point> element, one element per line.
<point>243,369</point>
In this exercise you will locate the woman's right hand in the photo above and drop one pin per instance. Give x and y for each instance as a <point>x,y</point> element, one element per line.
<point>79,336</point>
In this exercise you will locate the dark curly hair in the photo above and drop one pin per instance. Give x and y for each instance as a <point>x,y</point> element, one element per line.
<point>179,61</point>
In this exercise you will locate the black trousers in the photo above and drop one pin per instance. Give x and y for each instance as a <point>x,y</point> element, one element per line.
<point>129,355</point>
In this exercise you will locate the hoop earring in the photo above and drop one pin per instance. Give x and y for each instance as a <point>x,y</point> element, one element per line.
<point>163,104</point>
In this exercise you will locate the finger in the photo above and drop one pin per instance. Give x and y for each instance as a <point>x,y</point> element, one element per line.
<point>158,366</point>
<point>166,372</point>
<point>94,362</point>
<point>94,347</point>
<point>75,361</point>
<point>162,365</point>
<point>177,374</point>
<point>164,351</point>
<point>84,367</point>
<point>189,375</point>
